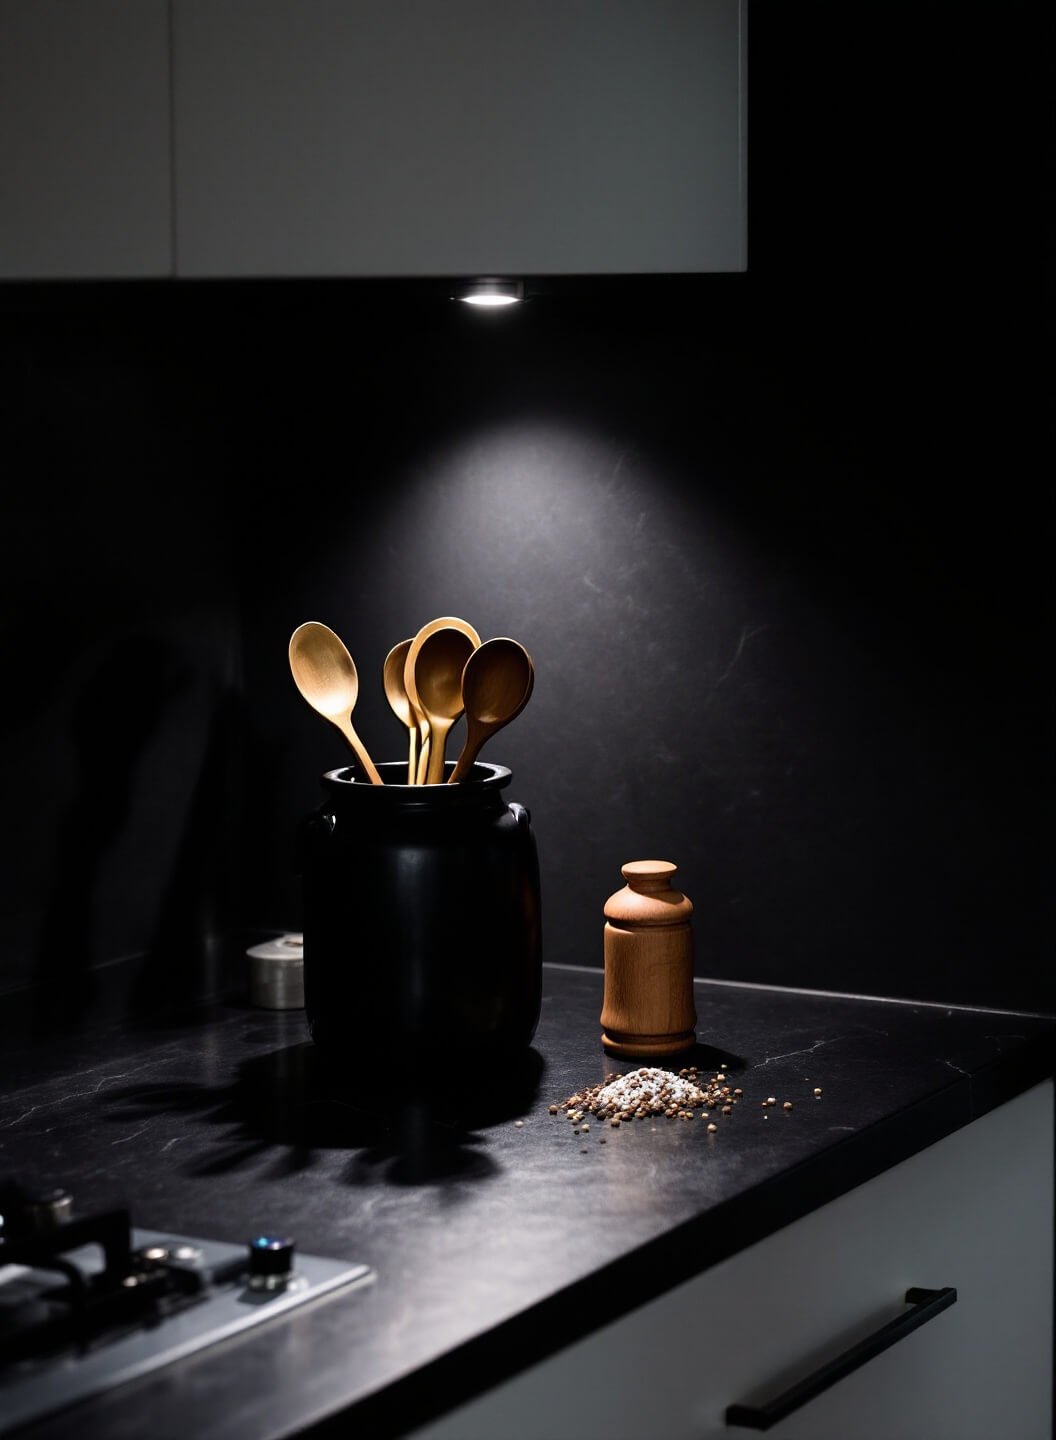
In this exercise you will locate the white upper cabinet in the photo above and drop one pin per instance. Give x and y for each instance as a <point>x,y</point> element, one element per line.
<point>220,138</point>
<point>85,139</point>
<point>458,137</point>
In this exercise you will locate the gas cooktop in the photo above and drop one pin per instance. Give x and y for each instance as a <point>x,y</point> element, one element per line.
<point>87,1303</point>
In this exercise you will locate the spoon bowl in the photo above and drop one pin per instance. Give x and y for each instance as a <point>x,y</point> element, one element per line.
<point>497,684</point>
<point>325,674</point>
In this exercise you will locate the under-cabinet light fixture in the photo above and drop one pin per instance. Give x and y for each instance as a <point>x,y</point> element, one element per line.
<point>490,294</point>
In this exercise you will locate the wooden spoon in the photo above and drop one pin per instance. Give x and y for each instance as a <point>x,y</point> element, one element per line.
<point>433,677</point>
<point>399,700</point>
<point>325,674</point>
<point>496,686</point>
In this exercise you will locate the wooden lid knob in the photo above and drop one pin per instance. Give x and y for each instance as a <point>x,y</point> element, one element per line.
<point>648,898</point>
<point>646,875</point>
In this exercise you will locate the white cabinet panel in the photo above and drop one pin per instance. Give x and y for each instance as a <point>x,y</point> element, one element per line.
<point>975,1211</point>
<point>84,139</point>
<point>414,138</point>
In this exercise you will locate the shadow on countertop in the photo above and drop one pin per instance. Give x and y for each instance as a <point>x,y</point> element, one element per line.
<point>406,1122</point>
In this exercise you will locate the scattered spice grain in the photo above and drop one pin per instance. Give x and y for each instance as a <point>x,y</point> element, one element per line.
<point>645,1094</point>
<point>648,1093</point>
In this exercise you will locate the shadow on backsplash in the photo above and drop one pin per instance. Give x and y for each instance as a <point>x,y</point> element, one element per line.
<point>120,806</point>
<point>406,1124</point>
<point>109,741</point>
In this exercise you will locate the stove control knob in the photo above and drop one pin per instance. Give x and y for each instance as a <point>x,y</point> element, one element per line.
<point>270,1262</point>
<point>48,1211</point>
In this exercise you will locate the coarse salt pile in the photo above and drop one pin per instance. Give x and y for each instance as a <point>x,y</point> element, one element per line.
<point>648,1091</point>
<point>651,1090</point>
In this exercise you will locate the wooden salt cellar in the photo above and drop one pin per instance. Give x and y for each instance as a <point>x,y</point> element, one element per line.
<point>648,1008</point>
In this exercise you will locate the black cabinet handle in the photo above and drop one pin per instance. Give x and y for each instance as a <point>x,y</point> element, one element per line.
<point>926,1305</point>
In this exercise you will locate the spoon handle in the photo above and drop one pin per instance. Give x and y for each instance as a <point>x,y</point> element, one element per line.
<point>423,753</point>
<point>412,756</point>
<point>344,724</point>
<point>438,728</point>
<point>470,750</point>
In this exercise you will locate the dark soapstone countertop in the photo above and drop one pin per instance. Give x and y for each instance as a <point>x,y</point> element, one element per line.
<point>492,1243</point>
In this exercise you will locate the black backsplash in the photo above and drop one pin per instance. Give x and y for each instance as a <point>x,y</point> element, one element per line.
<point>770,538</point>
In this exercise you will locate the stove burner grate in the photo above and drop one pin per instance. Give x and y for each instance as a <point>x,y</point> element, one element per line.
<point>86,1305</point>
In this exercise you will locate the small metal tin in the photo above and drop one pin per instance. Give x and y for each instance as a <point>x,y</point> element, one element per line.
<point>276,973</point>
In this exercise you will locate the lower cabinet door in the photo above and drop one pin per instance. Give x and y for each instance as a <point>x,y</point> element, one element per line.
<point>973,1213</point>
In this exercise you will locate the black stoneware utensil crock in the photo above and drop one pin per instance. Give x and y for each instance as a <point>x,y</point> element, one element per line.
<point>421,918</point>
